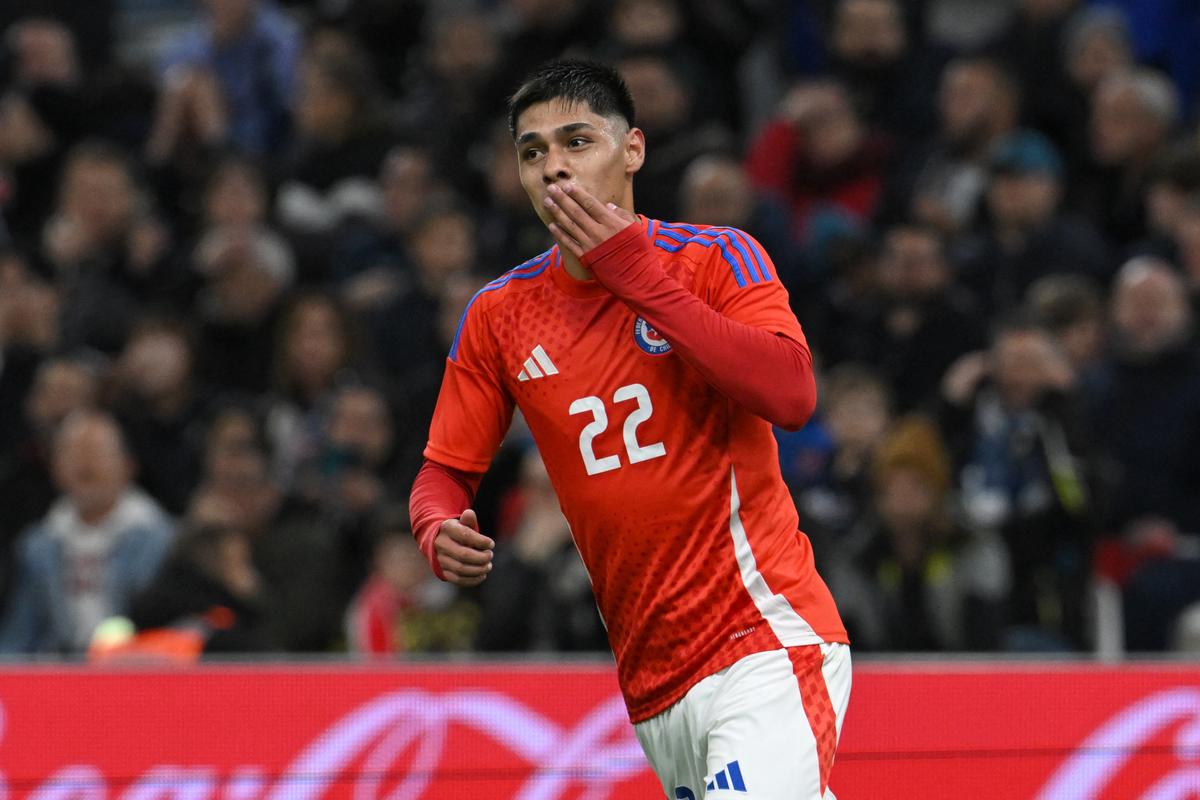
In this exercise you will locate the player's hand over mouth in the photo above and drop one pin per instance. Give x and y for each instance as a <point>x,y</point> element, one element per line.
<point>582,222</point>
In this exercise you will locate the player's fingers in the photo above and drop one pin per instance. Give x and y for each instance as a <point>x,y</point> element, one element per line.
<point>453,566</point>
<point>591,218</point>
<point>466,536</point>
<point>570,220</point>
<point>470,519</point>
<point>467,555</point>
<point>463,580</point>
<point>584,199</point>
<point>566,242</point>
<point>628,216</point>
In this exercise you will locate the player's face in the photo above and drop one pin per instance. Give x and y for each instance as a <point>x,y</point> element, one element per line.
<point>559,141</point>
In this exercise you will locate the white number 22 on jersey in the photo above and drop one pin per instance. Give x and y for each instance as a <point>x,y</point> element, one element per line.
<point>599,424</point>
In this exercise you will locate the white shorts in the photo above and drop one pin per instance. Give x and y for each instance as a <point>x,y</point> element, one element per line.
<point>765,728</point>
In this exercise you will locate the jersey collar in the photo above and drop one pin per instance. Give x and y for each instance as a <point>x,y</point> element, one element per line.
<point>577,288</point>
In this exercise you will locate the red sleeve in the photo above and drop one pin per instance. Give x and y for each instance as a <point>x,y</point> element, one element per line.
<point>439,493</point>
<point>764,367</point>
<point>474,409</point>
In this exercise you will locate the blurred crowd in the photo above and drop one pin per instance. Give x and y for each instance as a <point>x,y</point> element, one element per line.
<point>236,237</point>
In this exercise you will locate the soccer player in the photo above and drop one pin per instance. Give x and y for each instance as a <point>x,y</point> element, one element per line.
<point>650,360</point>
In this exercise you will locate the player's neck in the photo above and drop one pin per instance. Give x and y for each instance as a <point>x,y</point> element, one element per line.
<point>575,267</point>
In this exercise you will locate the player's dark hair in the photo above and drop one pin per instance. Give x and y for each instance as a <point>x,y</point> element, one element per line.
<point>598,85</point>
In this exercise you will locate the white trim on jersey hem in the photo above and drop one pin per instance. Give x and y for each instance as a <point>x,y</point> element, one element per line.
<point>789,627</point>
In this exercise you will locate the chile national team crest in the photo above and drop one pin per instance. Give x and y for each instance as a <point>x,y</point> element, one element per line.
<point>648,339</point>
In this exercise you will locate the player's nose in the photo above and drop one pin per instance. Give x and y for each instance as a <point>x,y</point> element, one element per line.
<point>555,168</point>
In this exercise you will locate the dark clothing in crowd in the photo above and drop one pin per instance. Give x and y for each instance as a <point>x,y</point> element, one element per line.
<point>1147,416</point>
<point>185,595</point>
<point>540,607</point>
<point>1000,276</point>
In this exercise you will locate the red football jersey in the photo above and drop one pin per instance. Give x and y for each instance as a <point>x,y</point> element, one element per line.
<point>673,491</point>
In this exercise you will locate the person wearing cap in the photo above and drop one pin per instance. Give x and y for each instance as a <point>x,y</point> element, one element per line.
<point>1026,234</point>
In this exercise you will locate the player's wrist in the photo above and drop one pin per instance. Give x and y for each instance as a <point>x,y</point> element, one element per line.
<point>612,251</point>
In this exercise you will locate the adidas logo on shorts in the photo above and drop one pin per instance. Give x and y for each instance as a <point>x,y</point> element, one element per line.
<point>728,778</point>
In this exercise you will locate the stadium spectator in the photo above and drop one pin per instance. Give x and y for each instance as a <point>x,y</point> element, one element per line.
<point>1034,46</point>
<point>1188,238</point>
<point>294,548</point>
<point>1071,309</point>
<point>101,542</point>
<point>978,104</point>
<point>42,114</point>
<point>28,331</point>
<point>404,331</point>
<point>353,473</point>
<point>447,104</point>
<point>401,607</point>
<point>667,102</point>
<point>235,195</point>
<point>209,586</point>
<point>162,408</point>
<point>707,43</point>
<point>827,464</point>
<point>245,273</point>
<point>913,580</point>
<point>1162,595</point>
<point>542,597</point>
<point>61,385</point>
<point>890,77</point>
<point>1171,190</point>
<point>341,140</point>
<point>370,263</point>
<point>820,158</point>
<point>237,66</point>
<point>1165,36</point>
<point>924,319</point>
<point>1026,234</point>
<point>191,124</point>
<point>1025,473</point>
<point>540,29</point>
<point>108,254</point>
<point>1096,45</point>
<point>1134,114</point>
<point>1147,413</point>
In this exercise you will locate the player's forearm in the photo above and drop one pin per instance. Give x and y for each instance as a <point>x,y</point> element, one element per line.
<point>439,493</point>
<point>768,374</point>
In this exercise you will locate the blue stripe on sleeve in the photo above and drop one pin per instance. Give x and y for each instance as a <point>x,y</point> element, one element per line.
<point>530,269</point>
<point>755,250</point>
<point>682,239</point>
<point>755,266</point>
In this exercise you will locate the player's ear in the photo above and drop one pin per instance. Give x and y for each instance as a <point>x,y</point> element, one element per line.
<point>635,150</point>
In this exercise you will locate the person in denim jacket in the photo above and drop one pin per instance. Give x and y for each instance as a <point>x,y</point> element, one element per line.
<point>102,541</point>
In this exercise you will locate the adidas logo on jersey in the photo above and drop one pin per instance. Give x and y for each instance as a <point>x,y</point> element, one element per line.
<point>537,365</point>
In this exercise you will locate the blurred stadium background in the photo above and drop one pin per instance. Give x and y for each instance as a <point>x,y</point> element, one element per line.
<point>236,237</point>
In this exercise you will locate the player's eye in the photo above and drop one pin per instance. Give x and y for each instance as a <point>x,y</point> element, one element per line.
<point>577,141</point>
<point>530,154</point>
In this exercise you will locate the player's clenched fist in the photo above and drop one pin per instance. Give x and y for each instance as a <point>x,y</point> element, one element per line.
<point>464,553</point>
